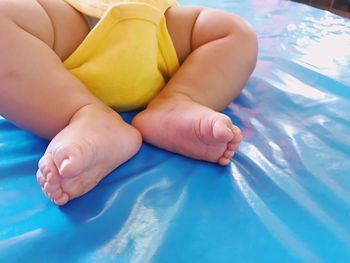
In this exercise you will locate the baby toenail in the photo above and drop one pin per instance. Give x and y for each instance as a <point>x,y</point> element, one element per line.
<point>64,163</point>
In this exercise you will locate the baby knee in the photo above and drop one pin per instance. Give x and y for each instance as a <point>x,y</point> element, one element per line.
<point>214,24</point>
<point>35,21</point>
<point>244,38</point>
<point>241,36</point>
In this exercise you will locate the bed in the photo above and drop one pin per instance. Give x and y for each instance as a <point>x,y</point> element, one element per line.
<point>284,197</point>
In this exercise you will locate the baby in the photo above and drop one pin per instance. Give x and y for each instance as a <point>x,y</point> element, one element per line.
<point>66,82</point>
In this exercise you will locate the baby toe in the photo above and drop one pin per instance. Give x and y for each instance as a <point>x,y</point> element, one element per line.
<point>228,154</point>
<point>68,161</point>
<point>53,178</point>
<point>232,146</point>
<point>223,161</point>
<point>42,162</point>
<point>237,135</point>
<point>57,194</point>
<point>62,199</point>
<point>49,188</point>
<point>222,133</point>
<point>40,178</point>
<point>44,165</point>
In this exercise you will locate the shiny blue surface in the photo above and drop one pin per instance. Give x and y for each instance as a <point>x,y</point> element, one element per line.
<point>283,198</point>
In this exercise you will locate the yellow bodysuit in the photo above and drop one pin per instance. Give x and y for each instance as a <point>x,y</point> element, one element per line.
<point>128,57</point>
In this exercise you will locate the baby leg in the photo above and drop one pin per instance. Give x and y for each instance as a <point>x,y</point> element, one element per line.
<point>38,94</point>
<point>217,52</point>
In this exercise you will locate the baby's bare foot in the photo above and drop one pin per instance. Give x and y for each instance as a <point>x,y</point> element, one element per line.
<point>190,129</point>
<point>90,147</point>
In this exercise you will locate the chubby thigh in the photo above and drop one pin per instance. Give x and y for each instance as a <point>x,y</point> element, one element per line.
<point>55,23</point>
<point>34,84</point>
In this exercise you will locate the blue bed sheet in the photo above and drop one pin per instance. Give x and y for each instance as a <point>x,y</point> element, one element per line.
<point>283,198</point>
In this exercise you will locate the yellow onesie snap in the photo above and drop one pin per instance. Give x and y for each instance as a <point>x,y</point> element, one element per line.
<point>128,57</point>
